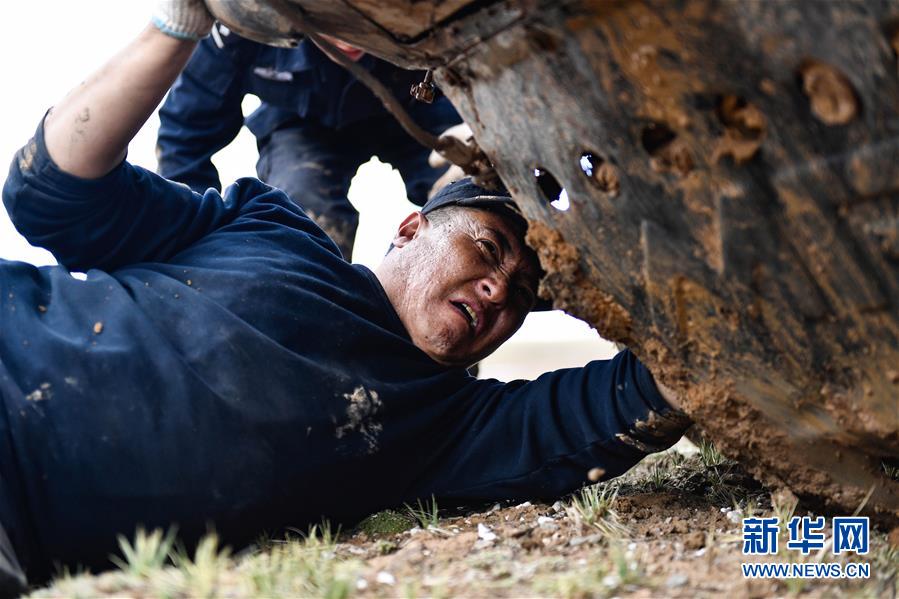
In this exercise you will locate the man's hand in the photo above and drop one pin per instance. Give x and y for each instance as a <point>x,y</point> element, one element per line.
<point>183,19</point>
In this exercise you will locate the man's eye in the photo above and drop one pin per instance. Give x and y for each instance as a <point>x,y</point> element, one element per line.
<point>490,247</point>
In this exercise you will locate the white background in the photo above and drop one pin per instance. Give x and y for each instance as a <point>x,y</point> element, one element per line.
<point>49,46</point>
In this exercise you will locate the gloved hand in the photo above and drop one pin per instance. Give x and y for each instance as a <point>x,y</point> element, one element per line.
<point>453,173</point>
<point>183,19</point>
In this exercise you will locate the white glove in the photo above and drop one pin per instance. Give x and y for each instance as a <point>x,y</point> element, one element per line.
<point>436,160</point>
<point>183,19</point>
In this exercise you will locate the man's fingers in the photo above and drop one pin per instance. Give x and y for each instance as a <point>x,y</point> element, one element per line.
<point>436,160</point>
<point>461,132</point>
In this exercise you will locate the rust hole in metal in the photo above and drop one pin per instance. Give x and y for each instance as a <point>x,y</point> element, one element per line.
<point>655,137</point>
<point>832,98</point>
<point>600,173</point>
<point>551,190</point>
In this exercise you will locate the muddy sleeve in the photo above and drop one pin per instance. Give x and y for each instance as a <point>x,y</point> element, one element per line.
<point>202,114</point>
<point>541,438</point>
<point>129,215</point>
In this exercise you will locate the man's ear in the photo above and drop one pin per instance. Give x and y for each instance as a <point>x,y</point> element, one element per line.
<point>411,227</point>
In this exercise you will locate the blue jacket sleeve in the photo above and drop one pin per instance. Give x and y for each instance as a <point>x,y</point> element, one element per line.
<point>541,438</point>
<point>129,215</point>
<point>202,112</point>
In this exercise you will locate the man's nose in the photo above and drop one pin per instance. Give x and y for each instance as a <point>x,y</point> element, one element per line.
<point>494,288</point>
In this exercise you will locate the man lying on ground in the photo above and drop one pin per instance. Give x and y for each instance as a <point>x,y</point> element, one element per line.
<point>222,365</point>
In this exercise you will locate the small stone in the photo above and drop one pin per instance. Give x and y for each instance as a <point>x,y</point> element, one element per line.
<point>41,308</point>
<point>98,328</point>
<point>484,533</point>
<point>543,519</point>
<point>595,474</point>
<point>611,581</point>
<point>557,507</point>
<point>523,505</point>
<point>587,540</point>
<point>361,584</point>
<point>735,516</point>
<point>550,526</point>
<point>676,580</point>
<point>385,577</point>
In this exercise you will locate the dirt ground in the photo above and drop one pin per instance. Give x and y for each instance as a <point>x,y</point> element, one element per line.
<point>669,528</point>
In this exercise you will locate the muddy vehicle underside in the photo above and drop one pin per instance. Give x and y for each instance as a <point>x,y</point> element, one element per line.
<point>732,177</point>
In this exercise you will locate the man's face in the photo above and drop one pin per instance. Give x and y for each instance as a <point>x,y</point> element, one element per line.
<point>468,282</point>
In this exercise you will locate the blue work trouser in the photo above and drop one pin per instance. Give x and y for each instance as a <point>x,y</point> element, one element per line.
<point>314,165</point>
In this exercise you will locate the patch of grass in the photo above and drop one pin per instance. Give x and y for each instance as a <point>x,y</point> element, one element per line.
<point>149,553</point>
<point>891,470</point>
<point>709,454</point>
<point>658,478</point>
<point>425,513</point>
<point>387,522</point>
<point>301,567</point>
<point>201,575</point>
<point>593,506</point>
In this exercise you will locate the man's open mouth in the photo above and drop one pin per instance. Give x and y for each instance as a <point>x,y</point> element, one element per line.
<point>468,312</point>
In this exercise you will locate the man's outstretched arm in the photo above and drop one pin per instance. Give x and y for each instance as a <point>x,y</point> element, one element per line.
<point>88,132</point>
<point>541,438</point>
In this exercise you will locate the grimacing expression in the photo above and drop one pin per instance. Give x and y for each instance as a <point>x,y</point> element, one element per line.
<point>470,282</point>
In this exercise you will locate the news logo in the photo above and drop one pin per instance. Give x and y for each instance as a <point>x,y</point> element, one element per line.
<point>851,534</point>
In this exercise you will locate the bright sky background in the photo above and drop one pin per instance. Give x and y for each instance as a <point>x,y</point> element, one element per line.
<point>49,46</point>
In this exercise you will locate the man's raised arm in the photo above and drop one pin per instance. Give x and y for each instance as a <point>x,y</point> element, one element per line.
<point>88,132</point>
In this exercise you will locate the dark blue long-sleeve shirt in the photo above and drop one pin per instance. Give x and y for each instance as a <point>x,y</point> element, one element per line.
<point>221,364</point>
<point>202,112</point>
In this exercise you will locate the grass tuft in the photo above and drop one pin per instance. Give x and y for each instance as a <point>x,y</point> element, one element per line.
<point>304,567</point>
<point>593,506</point>
<point>202,574</point>
<point>426,514</point>
<point>709,455</point>
<point>149,553</point>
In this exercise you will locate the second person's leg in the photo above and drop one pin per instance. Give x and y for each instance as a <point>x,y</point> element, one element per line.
<point>314,166</point>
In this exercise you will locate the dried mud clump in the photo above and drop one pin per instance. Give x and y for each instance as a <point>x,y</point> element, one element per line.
<point>568,287</point>
<point>744,129</point>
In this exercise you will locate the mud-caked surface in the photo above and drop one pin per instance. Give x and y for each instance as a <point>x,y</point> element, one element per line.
<point>730,211</point>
